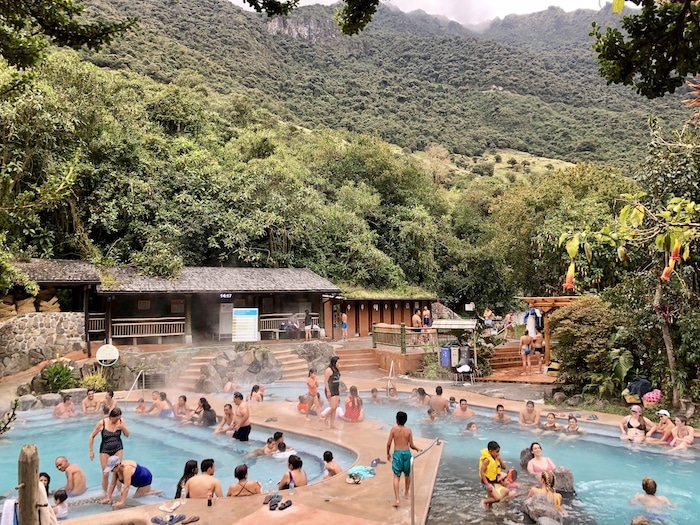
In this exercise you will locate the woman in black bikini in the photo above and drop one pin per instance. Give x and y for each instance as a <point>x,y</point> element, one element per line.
<point>191,470</point>
<point>111,429</point>
<point>244,487</point>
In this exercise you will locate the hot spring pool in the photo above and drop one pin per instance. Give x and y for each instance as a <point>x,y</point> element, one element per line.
<point>607,472</point>
<point>159,444</point>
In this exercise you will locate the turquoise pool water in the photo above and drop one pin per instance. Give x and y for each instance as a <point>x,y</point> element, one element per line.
<point>607,472</point>
<point>159,444</point>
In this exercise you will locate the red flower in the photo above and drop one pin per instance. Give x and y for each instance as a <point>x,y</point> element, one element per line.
<point>569,282</point>
<point>676,252</point>
<point>666,274</point>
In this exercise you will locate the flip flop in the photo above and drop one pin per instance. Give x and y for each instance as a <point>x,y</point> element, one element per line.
<point>592,417</point>
<point>169,508</point>
<point>353,479</point>
<point>176,518</point>
<point>158,520</point>
<point>191,519</point>
<point>267,499</point>
<point>273,505</point>
<point>286,504</point>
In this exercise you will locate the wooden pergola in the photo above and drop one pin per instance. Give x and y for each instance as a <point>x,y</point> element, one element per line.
<point>546,305</point>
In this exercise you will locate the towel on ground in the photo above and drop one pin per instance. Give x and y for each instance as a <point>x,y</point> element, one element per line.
<point>363,472</point>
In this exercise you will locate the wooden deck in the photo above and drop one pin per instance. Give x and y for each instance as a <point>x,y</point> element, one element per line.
<point>515,375</point>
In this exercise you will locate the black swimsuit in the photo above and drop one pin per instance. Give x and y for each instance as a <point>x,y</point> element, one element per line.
<point>111,441</point>
<point>334,382</point>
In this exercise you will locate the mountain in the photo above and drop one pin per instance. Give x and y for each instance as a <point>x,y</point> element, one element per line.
<point>413,79</point>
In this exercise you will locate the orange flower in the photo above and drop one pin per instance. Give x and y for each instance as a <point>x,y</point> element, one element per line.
<point>569,282</point>
<point>666,274</point>
<point>676,252</point>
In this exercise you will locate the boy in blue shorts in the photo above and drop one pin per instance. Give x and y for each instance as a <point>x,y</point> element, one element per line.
<point>402,437</point>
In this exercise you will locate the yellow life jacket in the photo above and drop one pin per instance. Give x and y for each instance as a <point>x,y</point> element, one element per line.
<point>494,467</point>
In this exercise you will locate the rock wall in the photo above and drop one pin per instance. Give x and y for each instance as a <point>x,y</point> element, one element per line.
<point>27,340</point>
<point>304,28</point>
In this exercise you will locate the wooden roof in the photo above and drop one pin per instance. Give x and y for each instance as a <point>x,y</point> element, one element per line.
<point>59,272</point>
<point>218,280</point>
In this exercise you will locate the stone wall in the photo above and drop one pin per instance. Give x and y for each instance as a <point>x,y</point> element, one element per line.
<point>27,340</point>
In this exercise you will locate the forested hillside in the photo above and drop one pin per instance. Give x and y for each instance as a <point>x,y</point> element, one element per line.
<point>411,79</point>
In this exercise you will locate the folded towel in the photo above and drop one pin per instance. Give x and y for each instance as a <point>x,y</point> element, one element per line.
<point>8,512</point>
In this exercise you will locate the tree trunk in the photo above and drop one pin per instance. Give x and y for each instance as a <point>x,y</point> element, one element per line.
<point>668,343</point>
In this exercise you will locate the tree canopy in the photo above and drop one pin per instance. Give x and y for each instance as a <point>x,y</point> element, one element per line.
<point>657,48</point>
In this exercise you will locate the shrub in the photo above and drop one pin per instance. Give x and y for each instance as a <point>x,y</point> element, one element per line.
<point>431,365</point>
<point>57,376</point>
<point>96,381</point>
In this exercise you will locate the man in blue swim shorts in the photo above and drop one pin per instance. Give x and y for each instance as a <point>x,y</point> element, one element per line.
<point>402,437</point>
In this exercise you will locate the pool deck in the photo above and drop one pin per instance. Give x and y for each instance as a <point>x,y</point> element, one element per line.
<point>331,500</point>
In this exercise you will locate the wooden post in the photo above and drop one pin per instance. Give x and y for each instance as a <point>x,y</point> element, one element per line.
<point>188,319</point>
<point>86,313</point>
<point>403,338</point>
<point>28,483</point>
<point>374,335</point>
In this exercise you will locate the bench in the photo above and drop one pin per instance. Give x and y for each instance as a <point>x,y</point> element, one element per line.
<point>275,323</point>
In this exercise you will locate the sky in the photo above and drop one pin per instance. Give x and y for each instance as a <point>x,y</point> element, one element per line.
<point>476,11</point>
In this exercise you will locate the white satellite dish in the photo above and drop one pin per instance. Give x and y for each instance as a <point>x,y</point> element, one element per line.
<point>107,355</point>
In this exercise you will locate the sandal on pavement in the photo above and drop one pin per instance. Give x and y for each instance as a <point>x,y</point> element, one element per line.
<point>286,504</point>
<point>191,519</point>
<point>176,518</point>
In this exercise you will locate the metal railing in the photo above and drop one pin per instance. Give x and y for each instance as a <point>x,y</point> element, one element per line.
<point>436,441</point>
<point>133,385</point>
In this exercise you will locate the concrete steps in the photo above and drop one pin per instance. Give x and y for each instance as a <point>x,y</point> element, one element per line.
<point>356,359</point>
<point>293,367</point>
<point>190,375</point>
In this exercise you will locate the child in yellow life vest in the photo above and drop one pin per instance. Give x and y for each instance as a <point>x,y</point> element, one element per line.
<point>490,466</point>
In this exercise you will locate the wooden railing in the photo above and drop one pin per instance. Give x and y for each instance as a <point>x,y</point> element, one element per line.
<point>402,336</point>
<point>96,323</point>
<point>135,327</point>
<point>274,323</point>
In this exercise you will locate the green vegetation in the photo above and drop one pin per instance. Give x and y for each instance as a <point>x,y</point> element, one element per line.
<point>96,381</point>
<point>57,376</point>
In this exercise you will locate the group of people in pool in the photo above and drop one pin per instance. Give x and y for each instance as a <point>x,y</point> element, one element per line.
<point>640,429</point>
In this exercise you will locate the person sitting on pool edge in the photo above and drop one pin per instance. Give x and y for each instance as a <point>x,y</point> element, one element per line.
<point>244,487</point>
<point>353,407</point>
<point>547,489</point>
<point>490,467</point>
<point>129,473</point>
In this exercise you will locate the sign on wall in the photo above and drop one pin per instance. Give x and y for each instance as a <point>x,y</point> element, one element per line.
<point>244,326</point>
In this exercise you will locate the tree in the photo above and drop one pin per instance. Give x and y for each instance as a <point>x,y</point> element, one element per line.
<point>30,26</point>
<point>352,18</point>
<point>658,50</point>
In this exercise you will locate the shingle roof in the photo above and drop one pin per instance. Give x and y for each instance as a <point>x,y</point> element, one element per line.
<point>59,271</point>
<point>218,280</point>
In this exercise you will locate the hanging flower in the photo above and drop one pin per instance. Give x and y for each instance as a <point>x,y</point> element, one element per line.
<point>666,274</point>
<point>569,282</point>
<point>676,252</point>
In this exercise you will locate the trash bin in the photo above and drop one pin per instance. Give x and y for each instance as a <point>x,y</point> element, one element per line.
<point>445,356</point>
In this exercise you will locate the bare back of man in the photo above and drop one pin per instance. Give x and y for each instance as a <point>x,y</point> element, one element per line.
<point>440,404</point>
<point>525,351</point>
<point>200,486</point>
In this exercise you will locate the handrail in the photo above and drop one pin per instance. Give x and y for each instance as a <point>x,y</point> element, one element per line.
<point>391,369</point>
<point>134,384</point>
<point>436,441</point>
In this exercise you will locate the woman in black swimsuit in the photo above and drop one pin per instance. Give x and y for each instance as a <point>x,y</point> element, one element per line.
<point>332,381</point>
<point>111,429</point>
<point>244,487</point>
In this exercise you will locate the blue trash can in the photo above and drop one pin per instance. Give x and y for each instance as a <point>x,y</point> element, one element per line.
<point>445,356</point>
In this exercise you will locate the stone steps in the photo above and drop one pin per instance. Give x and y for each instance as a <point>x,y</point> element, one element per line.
<point>356,359</point>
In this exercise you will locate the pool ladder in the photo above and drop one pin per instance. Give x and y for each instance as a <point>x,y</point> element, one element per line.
<point>437,442</point>
<point>133,385</point>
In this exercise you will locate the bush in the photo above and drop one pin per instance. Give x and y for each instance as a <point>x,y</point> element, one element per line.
<point>57,376</point>
<point>431,365</point>
<point>96,381</point>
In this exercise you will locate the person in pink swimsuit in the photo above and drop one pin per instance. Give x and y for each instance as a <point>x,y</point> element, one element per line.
<point>538,464</point>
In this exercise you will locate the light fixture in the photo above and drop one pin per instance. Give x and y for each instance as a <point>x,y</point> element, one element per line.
<point>362,306</point>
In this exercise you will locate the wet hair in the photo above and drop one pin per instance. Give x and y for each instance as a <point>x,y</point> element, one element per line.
<point>189,472</point>
<point>295,462</point>
<point>551,414</point>
<point>532,445</point>
<point>574,418</point>
<point>66,398</point>
<point>462,399</point>
<point>374,391</point>
<point>115,412</point>
<point>438,390</point>
<point>184,398</point>
<point>327,456</point>
<point>110,393</point>
<point>471,425</point>
<point>683,419</point>
<point>141,400</point>
<point>48,480</point>
<point>205,404</point>
<point>206,464</point>
<point>163,396</point>
<point>256,388</point>
<point>421,392</point>
<point>549,480</point>
<point>431,411</point>
<point>302,398</point>
<point>401,417</point>
<point>228,405</point>
<point>334,361</point>
<point>237,395</point>
<point>281,446</point>
<point>530,403</point>
<point>500,406</point>
<point>241,472</point>
<point>649,486</point>
<point>312,371</point>
<point>493,445</point>
<point>277,436</point>
<point>60,495</point>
